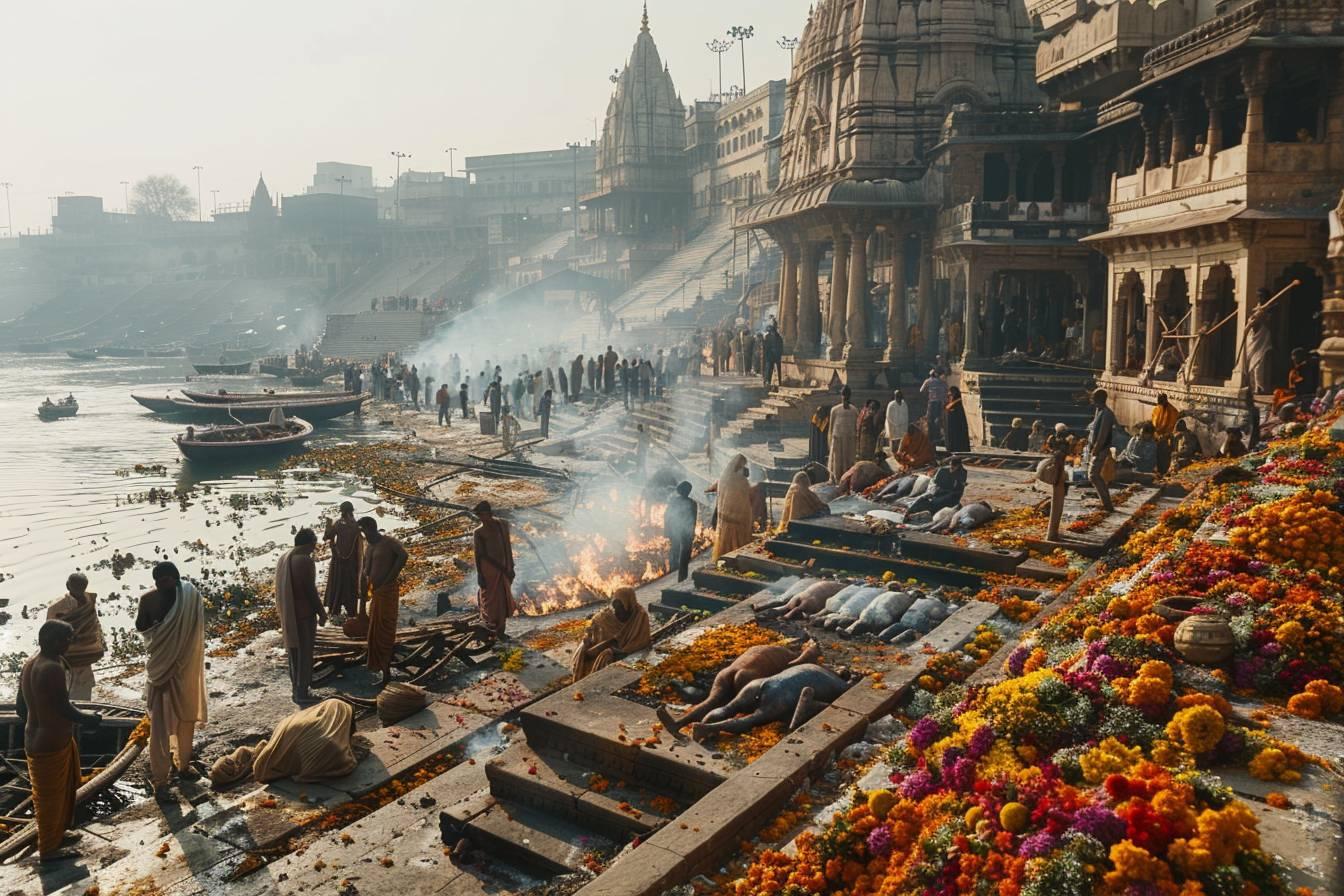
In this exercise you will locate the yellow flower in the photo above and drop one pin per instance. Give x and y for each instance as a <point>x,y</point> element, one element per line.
<point>1167,754</point>
<point>1197,728</point>
<point>1108,757</point>
<point>1014,817</point>
<point>1156,669</point>
<point>1291,633</point>
<point>881,802</point>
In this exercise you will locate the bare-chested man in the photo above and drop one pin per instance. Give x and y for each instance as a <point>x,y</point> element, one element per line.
<point>384,559</point>
<point>755,663</point>
<point>49,740</point>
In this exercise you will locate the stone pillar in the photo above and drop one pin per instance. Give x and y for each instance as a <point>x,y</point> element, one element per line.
<point>1179,149</point>
<point>1255,82</point>
<point>1332,309</point>
<point>1150,118</point>
<point>926,294</point>
<point>809,303</point>
<point>971,318</point>
<point>788,297</point>
<point>896,327</point>
<point>1213,102</point>
<point>835,324</point>
<point>1152,330</point>
<point>856,329</point>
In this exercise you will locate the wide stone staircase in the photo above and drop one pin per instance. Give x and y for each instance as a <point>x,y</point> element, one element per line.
<point>371,334</point>
<point>1043,394</point>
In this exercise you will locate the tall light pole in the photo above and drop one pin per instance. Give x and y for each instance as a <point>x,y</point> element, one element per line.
<point>214,202</point>
<point>743,33</point>
<point>718,48</point>
<point>200,206</point>
<point>342,180</point>
<point>9,212</point>
<point>396,199</point>
<point>790,44</point>
<point>126,196</point>
<point>450,150</point>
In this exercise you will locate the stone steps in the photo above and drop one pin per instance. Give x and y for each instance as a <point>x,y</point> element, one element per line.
<point>532,838</point>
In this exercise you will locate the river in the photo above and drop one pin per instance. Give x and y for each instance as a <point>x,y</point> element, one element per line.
<point>70,495</point>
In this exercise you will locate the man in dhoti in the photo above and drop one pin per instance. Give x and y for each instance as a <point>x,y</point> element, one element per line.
<point>384,559</point>
<point>172,620</point>
<point>844,432</point>
<point>49,740</point>
<point>79,608</point>
<point>1259,344</point>
<point>300,611</point>
<point>347,546</point>
<point>615,632</point>
<point>494,569</point>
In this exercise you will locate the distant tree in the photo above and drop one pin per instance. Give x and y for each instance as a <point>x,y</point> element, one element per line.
<point>162,196</point>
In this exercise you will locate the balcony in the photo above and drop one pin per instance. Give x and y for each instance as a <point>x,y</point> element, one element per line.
<point>1302,19</point>
<point>1100,55</point>
<point>1020,221</point>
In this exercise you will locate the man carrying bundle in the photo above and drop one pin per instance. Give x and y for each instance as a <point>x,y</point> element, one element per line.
<point>383,561</point>
<point>78,608</point>
<point>49,740</point>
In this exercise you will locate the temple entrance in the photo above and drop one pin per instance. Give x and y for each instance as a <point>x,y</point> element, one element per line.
<point>1028,311</point>
<point>1131,326</point>
<point>1171,305</point>
<point>1217,351</point>
<point>1296,319</point>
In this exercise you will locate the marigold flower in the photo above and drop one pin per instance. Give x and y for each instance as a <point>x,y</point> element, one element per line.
<point>1197,728</point>
<point>1306,705</point>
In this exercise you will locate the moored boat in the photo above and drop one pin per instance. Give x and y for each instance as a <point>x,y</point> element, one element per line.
<point>119,351</point>
<point>315,410</point>
<point>167,351</point>
<point>222,397</point>
<point>66,407</point>
<point>158,405</point>
<point>83,354</point>
<point>308,378</point>
<point>222,369</point>
<point>243,442</point>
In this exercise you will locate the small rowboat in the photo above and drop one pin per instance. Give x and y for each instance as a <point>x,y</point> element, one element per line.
<point>83,354</point>
<point>231,443</point>
<point>245,397</point>
<point>106,752</point>
<point>315,410</point>
<point>222,369</point>
<point>66,407</point>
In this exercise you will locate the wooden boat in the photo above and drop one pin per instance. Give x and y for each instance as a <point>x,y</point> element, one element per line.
<point>269,368</point>
<point>222,369</point>
<point>106,752</point>
<point>165,352</point>
<point>119,351</point>
<point>66,407</point>
<point>158,405</point>
<point>83,354</point>
<point>315,410</point>
<point>233,443</point>
<point>222,397</point>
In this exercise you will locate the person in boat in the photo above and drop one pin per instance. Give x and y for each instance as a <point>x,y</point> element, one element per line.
<point>493,546</point>
<point>47,402</point>
<point>615,632</point>
<point>49,722</point>
<point>300,611</point>
<point>69,399</point>
<point>79,609</point>
<point>384,560</point>
<point>171,618</point>
<point>342,589</point>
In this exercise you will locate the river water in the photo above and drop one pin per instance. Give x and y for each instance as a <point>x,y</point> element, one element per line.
<point>70,495</point>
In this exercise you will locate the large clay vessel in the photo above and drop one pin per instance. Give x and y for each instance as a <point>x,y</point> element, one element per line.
<point>1205,639</point>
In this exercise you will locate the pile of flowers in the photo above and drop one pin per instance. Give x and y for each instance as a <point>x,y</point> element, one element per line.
<point>1055,782</point>
<point>1303,529</point>
<point>703,658</point>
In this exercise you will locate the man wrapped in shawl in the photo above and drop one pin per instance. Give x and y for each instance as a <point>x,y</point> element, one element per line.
<point>494,569</point>
<point>732,508</point>
<point>171,619</point>
<point>313,744</point>
<point>80,609</point>
<point>616,631</point>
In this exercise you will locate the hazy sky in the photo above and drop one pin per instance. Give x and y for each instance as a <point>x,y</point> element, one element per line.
<point>93,93</point>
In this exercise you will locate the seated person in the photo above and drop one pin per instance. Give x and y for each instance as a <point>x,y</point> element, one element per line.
<point>1233,445</point>
<point>864,475</point>
<point>911,485</point>
<point>1036,438</point>
<point>1141,452</point>
<point>1187,449</point>
<point>616,631</point>
<point>801,502</point>
<point>1018,437</point>
<point>946,489</point>
<point>313,744</point>
<point>915,450</point>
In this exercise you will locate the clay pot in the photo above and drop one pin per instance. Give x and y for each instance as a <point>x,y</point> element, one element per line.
<point>1205,639</point>
<point>1176,609</point>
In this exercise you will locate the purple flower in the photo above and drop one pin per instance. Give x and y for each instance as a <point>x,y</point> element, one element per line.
<point>923,734</point>
<point>981,742</point>
<point>1230,746</point>
<point>1018,659</point>
<point>1039,844</point>
<point>1100,823</point>
<point>879,840</point>
<point>917,785</point>
<point>1110,667</point>
<point>1255,567</point>
<point>1271,649</point>
<point>1143,888</point>
<point>960,775</point>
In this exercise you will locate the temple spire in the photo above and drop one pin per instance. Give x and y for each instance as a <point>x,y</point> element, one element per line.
<point>644,22</point>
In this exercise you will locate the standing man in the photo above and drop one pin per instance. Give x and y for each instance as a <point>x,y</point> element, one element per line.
<point>79,609</point>
<point>343,595</point>
<point>843,427</point>
<point>592,375</point>
<point>495,399</point>
<point>774,355</point>
<point>1258,346</point>
<point>1057,446</point>
<point>383,561</point>
<point>301,611</point>
<point>897,420</point>
<point>679,526</point>
<point>1099,433</point>
<point>429,391</point>
<point>49,740</point>
<point>463,399</point>
<point>1165,416</point>
<point>609,370</point>
<point>547,399</point>
<point>494,569</point>
<point>172,620</point>
<point>576,378</point>
<point>641,448</point>
<point>444,402</point>
<point>935,390</point>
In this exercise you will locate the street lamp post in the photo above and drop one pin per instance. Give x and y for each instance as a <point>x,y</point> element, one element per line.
<point>396,199</point>
<point>200,206</point>
<point>214,202</point>
<point>718,48</point>
<point>9,213</point>
<point>342,180</point>
<point>743,33</point>
<point>450,150</point>
<point>125,196</point>
<point>790,44</point>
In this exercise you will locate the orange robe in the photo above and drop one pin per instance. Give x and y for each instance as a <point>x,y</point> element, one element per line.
<point>494,574</point>
<point>383,606</point>
<point>55,778</point>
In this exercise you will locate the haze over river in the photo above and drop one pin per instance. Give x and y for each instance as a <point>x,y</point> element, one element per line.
<point>64,488</point>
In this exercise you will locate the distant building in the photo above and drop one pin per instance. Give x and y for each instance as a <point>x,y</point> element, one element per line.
<point>424,199</point>
<point>343,179</point>
<point>540,185</point>
<point>732,149</point>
